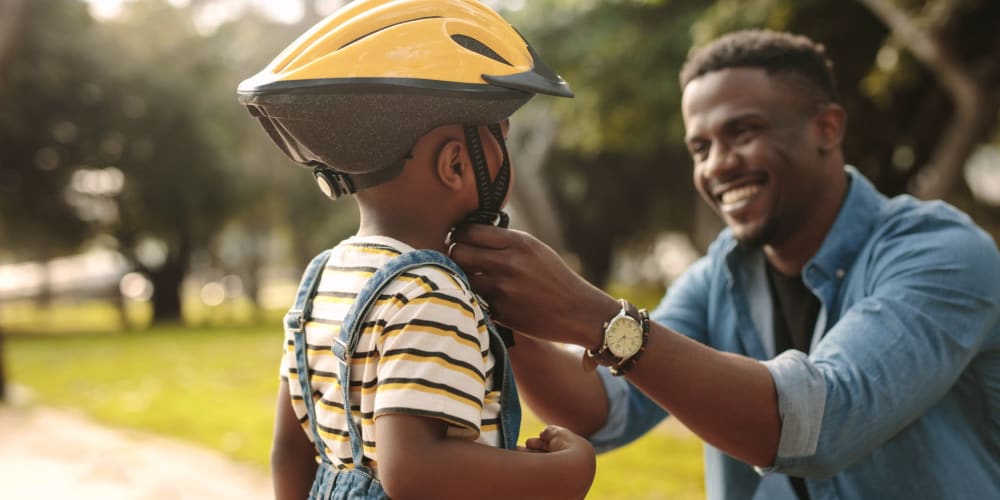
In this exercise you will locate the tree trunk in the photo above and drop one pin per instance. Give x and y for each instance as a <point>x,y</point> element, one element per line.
<point>166,295</point>
<point>10,27</point>
<point>254,260</point>
<point>595,260</point>
<point>974,105</point>
<point>167,281</point>
<point>972,118</point>
<point>121,305</point>
<point>706,226</point>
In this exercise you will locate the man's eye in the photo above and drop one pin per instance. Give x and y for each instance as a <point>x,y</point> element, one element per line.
<point>745,132</point>
<point>698,150</point>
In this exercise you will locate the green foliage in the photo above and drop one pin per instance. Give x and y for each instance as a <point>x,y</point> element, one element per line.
<point>620,169</point>
<point>621,59</point>
<point>620,173</point>
<point>150,95</point>
<point>278,198</point>
<point>43,112</point>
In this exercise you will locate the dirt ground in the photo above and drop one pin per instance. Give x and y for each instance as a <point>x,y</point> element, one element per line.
<point>50,454</point>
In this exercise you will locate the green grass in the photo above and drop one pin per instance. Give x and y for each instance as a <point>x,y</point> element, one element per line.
<point>211,387</point>
<point>215,386</point>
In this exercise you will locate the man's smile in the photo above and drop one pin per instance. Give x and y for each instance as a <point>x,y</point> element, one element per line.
<point>739,194</point>
<point>733,196</point>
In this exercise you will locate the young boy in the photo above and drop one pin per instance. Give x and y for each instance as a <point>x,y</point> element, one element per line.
<point>405,103</point>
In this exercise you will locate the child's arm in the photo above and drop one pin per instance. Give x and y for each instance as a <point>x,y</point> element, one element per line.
<point>417,460</point>
<point>293,463</point>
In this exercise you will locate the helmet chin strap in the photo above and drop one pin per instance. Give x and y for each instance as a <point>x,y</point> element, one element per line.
<point>491,194</point>
<point>491,191</point>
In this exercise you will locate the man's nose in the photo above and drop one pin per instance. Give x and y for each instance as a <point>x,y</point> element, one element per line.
<point>721,163</point>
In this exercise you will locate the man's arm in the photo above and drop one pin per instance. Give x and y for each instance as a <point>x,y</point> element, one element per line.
<point>553,383</point>
<point>727,399</point>
<point>293,463</point>
<point>931,301</point>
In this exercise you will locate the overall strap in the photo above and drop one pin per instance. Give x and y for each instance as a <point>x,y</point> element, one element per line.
<point>295,321</point>
<point>350,335</point>
<point>350,329</point>
<point>348,341</point>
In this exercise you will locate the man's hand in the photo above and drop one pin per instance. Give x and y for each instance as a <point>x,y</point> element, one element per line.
<point>528,286</point>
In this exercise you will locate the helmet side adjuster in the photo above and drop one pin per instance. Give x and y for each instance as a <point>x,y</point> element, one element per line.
<point>333,184</point>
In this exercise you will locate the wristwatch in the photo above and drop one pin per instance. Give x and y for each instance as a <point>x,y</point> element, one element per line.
<point>625,338</point>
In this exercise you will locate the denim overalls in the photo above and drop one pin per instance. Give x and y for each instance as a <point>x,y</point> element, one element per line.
<point>358,481</point>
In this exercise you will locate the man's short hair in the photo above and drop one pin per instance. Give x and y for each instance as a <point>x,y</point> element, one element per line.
<point>777,53</point>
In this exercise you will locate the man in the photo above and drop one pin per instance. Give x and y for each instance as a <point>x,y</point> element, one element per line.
<point>832,344</point>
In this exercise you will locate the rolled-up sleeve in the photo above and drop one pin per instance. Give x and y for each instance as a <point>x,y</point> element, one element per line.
<point>927,304</point>
<point>616,389</point>
<point>801,392</point>
<point>630,414</point>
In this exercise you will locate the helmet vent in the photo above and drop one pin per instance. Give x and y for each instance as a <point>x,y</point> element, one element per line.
<point>366,35</point>
<point>478,47</point>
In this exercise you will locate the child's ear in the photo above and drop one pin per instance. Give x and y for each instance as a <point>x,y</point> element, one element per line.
<point>451,165</point>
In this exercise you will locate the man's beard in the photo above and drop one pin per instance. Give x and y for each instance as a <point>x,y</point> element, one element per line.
<point>759,237</point>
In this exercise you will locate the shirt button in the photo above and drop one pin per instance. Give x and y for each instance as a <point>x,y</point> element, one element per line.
<point>841,273</point>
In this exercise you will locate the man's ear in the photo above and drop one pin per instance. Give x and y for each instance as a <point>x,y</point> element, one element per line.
<point>451,165</point>
<point>831,123</point>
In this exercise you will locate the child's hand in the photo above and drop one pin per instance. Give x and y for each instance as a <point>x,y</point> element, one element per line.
<point>578,452</point>
<point>554,438</point>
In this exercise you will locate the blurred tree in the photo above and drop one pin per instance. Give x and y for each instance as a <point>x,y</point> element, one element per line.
<point>619,173</point>
<point>617,170</point>
<point>278,199</point>
<point>109,128</point>
<point>170,117</point>
<point>41,134</point>
<point>10,21</point>
<point>11,13</point>
<point>956,43</point>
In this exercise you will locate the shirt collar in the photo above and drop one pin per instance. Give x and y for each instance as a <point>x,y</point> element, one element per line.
<point>850,230</point>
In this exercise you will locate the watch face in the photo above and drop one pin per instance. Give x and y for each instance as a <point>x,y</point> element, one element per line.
<point>624,337</point>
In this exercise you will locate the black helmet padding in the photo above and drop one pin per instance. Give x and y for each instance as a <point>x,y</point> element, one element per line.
<point>365,125</point>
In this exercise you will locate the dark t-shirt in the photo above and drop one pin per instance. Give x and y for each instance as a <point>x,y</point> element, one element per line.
<point>795,310</point>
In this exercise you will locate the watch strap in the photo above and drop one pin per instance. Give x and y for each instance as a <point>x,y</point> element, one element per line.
<point>602,355</point>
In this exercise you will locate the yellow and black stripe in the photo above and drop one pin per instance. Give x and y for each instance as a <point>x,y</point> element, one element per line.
<point>424,350</point>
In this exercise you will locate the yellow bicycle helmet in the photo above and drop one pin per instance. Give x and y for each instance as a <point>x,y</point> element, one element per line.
<point>352,95</point>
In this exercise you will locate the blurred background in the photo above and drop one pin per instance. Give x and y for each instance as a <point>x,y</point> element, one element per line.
<point>151,234</point>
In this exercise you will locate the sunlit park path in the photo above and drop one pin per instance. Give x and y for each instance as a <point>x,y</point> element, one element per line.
<point>53,454</point>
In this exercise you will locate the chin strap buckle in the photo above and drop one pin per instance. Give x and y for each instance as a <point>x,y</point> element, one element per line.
<point>490,217</point>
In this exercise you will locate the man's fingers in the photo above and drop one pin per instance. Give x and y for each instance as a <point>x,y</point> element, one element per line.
<point>481,235</point>
<point>482,283</point>
<point>474,259</point>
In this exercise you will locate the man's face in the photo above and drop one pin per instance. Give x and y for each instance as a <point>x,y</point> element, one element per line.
<point>756,159</point>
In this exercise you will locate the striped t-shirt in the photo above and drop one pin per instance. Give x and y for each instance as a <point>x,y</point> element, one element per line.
<point>424,350</point>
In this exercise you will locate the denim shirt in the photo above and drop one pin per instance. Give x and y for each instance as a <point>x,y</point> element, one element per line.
<point>899,397</point>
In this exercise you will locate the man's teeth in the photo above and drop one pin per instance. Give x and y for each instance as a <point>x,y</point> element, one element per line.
<point>739,194</point>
